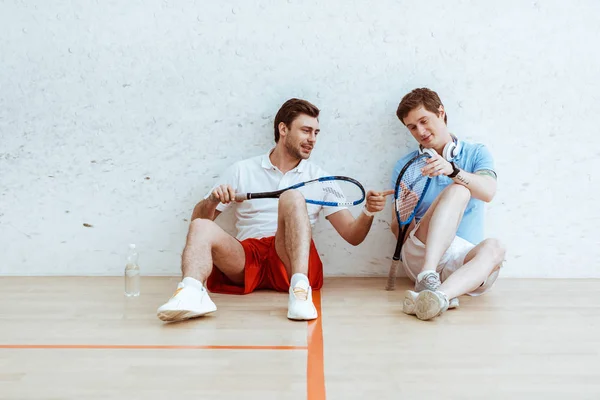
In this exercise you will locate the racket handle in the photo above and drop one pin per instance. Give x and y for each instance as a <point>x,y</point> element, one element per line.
<point>241,196</point>
<point>391,282</point>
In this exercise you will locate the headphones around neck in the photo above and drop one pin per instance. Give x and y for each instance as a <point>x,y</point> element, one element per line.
<point>451,149</point>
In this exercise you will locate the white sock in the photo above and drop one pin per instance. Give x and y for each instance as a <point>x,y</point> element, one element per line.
<point>299,278</point>
<point>193,283</point>
<point>422,274</point>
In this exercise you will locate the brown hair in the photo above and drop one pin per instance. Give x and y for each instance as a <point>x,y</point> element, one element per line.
<point>422,97</point>
<point>290,110</point>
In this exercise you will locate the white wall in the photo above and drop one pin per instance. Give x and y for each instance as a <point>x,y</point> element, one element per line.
<point>97,96</point>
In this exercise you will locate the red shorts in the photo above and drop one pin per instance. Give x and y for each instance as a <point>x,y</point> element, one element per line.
<point>264,270</point>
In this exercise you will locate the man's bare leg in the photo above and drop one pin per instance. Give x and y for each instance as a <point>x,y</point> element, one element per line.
<point>482,261</point>
<point>206,244</point>
<point>292,243</point>
<point>479,264</point>
<point>438,226</point>
<point>437,230</point>
<point>293,237</point>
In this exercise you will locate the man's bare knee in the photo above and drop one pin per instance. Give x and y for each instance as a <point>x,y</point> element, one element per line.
<point>201,228</point>
<point>495,249</point>
<point>458,192</point>
<point>291,198</point>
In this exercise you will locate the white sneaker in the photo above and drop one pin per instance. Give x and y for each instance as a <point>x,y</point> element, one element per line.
<point>453,303</point>
<point>409,304</point>
<point>188,301</point>
<point>430,280</point>
<point>430,304</point>
<point>300,304</point>
<point>427,280</point>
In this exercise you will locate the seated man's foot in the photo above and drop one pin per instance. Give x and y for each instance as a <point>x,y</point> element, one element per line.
<point>300,304</point>
<point>409,304</point>
<point>430,280</point>
<point>190,300</point>
<point>430,304</point>
<point>410,301</point>
<point>427,280</point>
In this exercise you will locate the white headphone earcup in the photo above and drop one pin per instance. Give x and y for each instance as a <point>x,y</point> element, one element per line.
<point>431,152</point>
<point>449,152</point>
<point>456,149</point>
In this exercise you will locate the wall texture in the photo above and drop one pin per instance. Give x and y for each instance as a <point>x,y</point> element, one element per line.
<point>121,114</point>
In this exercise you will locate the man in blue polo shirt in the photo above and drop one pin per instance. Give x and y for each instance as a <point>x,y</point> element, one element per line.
<point>445,252</point>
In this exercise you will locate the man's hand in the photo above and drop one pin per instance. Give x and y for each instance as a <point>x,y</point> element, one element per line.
<point>376,200</point>
<point>354,230</point>
<point>222,194</point>
<point>437,165</point>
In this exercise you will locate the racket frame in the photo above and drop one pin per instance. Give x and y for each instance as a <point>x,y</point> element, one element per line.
<point>403,226</point>
<point>276,193</point>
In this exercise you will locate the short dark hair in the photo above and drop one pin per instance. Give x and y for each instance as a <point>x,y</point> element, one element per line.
<point>421,97</point>
<point>290,110</point>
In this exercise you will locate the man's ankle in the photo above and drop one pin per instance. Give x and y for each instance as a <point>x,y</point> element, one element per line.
<point>299,277</point>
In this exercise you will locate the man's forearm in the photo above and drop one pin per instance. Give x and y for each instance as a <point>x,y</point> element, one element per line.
<point>359,229</point>
<point>205,209</point>
<point>482,187</point>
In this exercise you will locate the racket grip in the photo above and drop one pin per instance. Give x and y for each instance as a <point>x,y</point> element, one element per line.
<point>241,196</point>
<point>391,282</point>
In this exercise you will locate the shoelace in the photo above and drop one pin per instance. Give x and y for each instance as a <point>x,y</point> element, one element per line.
<point>431,281</point>
<point>300,293</point>
<point>179,289</point>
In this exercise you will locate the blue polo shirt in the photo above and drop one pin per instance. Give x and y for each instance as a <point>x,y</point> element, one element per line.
<point>472,157</point>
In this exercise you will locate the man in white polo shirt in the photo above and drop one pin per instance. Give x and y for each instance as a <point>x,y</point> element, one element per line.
<point>273,248</point>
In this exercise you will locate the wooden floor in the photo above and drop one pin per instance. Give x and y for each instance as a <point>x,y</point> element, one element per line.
<point>80,338</point>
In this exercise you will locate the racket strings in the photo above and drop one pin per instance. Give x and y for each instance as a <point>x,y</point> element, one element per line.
<point>335,191</point>
<point>412,186</point>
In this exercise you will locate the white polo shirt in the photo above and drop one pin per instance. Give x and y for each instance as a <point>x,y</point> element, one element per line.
<point>258,218</point>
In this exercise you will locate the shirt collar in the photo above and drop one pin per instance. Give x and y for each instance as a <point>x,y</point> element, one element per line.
<point>267,164</point>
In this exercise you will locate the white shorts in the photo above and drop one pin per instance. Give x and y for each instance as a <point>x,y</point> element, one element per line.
<point>413,257</point>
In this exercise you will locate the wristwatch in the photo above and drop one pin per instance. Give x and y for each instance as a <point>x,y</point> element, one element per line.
<point>455,170</point>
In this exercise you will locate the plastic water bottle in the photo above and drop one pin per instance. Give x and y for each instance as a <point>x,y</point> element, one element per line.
<point>132,273</point>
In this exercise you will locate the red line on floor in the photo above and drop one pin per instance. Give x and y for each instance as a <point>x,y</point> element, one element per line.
<point>145,347</point>
<point>315,374</point>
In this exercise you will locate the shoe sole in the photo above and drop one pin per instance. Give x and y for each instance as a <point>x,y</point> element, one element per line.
<point>299,318</point>
<point>178,315</point>
<point>428,306</point>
